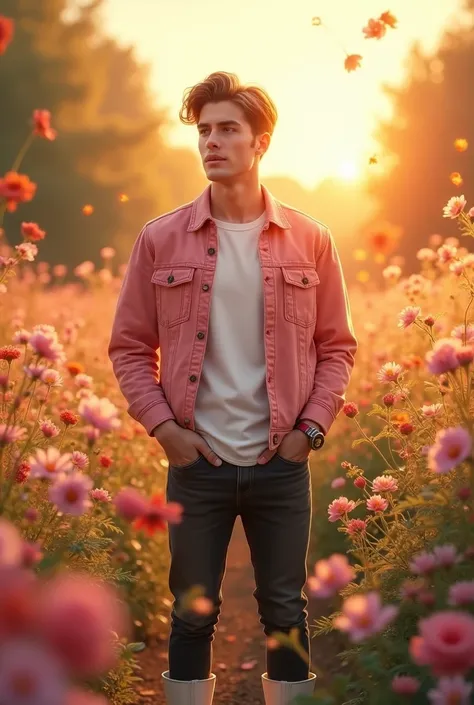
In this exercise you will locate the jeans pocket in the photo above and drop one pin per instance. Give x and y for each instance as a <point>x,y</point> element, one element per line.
<point>188,466</point>
<point>294,463</point>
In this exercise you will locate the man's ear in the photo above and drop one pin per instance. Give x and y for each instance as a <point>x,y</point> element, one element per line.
<point>263,143</point>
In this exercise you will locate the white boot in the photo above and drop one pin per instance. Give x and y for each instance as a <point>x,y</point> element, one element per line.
<point>199,692</point>
<point>284,692</point>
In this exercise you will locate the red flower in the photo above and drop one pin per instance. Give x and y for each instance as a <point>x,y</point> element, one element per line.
<point>406,428</point>
<point>389,399</point>
<point>360,482</point>
<point>68,418</point>
<point>9,353</point>
<point>16,188</point>
<point>388,19</point>
<point>42,120</point>
<point>105,461</point>
<point>157,514</point>
<point>375,29</point>
<point>7,29</point>
<point>31,231</point>
<point>352,62</point>
<point>350,409</point>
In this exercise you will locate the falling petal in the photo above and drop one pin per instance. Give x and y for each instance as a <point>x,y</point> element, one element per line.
<point>456,178</point>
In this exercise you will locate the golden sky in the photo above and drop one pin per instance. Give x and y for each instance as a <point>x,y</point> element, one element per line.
<point>326,115</point>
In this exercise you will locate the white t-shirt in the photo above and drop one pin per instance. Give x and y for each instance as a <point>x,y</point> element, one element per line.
<point>232,409</point>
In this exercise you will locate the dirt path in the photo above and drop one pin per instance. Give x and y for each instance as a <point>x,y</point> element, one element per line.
<point>239,640</point>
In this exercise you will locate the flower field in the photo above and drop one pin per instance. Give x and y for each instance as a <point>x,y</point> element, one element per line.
<point>83,545</point>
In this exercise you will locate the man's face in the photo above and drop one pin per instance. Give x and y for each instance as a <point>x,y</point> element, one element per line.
<point>227,146</point>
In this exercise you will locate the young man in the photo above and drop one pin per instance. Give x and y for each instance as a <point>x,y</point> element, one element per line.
<point>245,299</point>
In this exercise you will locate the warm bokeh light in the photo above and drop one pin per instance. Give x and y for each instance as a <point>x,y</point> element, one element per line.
<point>461,144</point>
<point>88,209</point>
<point>327,115</point>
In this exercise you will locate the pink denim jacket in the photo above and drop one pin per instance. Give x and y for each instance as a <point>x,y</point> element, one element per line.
<point>164,303</point>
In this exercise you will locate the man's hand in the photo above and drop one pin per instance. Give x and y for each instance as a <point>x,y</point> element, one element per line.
<point>183,446</point>
<point>295,446</point>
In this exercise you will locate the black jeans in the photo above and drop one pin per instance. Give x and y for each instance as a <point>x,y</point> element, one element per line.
<point>274,503</point>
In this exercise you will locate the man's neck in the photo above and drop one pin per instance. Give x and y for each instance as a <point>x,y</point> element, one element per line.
<point>237,203</point>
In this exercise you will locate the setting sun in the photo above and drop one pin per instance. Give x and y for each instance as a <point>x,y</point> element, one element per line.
<point>348,170</point>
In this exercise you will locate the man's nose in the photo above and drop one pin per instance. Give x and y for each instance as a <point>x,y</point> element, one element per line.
<point>212,140</point>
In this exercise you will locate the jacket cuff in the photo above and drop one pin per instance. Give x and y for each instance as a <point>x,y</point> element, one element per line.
<point>318,414</point>
<point>154,416</point>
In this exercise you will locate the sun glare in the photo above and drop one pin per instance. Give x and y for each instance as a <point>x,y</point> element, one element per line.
<point>348,170</point>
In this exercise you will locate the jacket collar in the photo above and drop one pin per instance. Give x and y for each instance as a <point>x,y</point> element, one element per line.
<point>201,211</point>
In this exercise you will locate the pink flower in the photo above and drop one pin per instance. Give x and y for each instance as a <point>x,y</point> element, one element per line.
<point>377,503</point>
<point>423,563</point>
<point>49,463</point>
<point>356,527</point>
<point>130,504</point>
<point>27,251</point>
<point>78,617</point>
<point>11,434</point>
<point>461,593</point>
<point>405,685</point>
<point>70,493</point>
<point>330,576</point>
<point>426,254</point>
<point>457,268</point>
<point>390,372</point>
<point>408,316</point>
<point>447,253</point>
<point>29,675</point>
<point>451,447</point>
<point>101,495</point>
<point>453,208</point>
<point>363,616</point>
<point>52,378</point>
<point>464,333</point>
<point>465,354</point>
<point>443,357</point>
<point>79,459</point>
<point>451,691</point>
<point>47,346</point>
<point>445,643</point>
<point>340,507</point>
<point>11,544</point>
<point>100,413</point>
<point>431,410</point>
<point>385,483</point>
<point>392,273</point>
<point>338,482</point>
<point>411,589</point>
<point>446,555</point>
<point>49,429</point>
<point>32,554</point>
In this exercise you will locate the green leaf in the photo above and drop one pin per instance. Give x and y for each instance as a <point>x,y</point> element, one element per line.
<point>136,647</point>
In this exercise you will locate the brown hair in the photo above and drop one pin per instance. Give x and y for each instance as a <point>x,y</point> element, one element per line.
<point>259,109</point>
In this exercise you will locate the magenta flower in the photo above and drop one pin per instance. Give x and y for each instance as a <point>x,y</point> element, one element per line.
<point>11,434</point>
<point>70,493</point>
<point>405,685</point>
<point>47,346</point>
<point>384,483</point>
<point>423,563</point>
<point>451,447</point>
<point>338,482</point>
<point>49,463</point>
<point>364,616</point>
<point>446,555</point>
<point>451,691</point>
<point>408,316</point>
<point>443,358</point>
<point>99,413</point>
<point>377,503</point>
<point>445,643</point>
<point>49,429</point>
<point>78,619</point>
<point>330,576</point>
<point>130,504</point>
<point>340,507</point>
<point>79,459</point>
<point>356,527</point>
<point>100,495</point>
<point>461,593</point>
<point>11,544</point>
<point>30,675</point>
<point>390,372</point>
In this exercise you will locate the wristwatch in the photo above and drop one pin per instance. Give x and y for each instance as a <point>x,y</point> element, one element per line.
<point>314,433</point>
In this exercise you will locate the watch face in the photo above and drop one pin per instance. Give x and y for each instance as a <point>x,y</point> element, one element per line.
<point>318,442</point>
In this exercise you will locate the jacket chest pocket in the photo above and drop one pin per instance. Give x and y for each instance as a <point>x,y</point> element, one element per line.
<point>173,294</point>
<point>299,292</point>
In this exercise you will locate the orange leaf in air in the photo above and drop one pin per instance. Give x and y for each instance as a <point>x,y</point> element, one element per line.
<point>373,159</point>
<point>375,29</point>
<point>352,62</point>
<point>388,19</point>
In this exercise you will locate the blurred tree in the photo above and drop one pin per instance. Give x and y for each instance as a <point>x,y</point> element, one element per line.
<point>110,134</point>
<point>430,111</point>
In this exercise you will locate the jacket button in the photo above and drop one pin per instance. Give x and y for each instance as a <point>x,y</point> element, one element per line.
<point>305,280</point>
<point>170,279</point>
<point>211,251</point>
<point>187,421</point>
<point>275,438</point>
<point>193,378</point>
<point>200,335</point>
<point>205,287</point>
